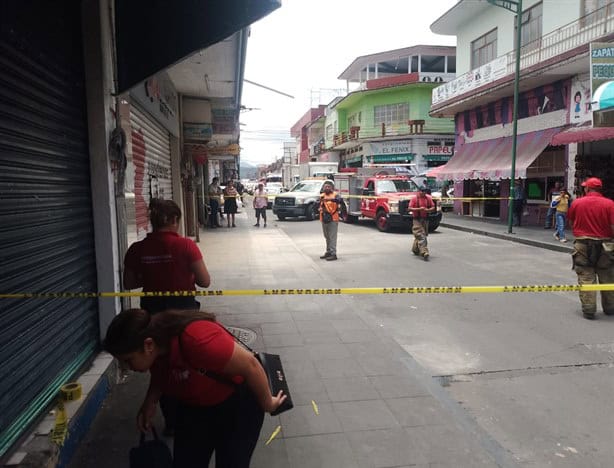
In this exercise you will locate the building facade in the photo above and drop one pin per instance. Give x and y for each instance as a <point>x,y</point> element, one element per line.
<point>91,129</point>
<point>556,137</point>
<point>386,120</point>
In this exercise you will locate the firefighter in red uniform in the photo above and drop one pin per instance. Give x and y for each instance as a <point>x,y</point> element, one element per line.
<point>420,206</point>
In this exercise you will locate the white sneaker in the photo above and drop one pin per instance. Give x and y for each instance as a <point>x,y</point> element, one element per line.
<point>556,236</point>
<point>563,241</point>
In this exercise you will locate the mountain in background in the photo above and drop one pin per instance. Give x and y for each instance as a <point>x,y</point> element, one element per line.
<point>248,170</point>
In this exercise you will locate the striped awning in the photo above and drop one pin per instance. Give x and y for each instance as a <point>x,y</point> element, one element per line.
<point>492,159</point>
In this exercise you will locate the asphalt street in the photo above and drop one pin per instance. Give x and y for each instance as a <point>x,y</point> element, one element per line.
<point>463,379</point>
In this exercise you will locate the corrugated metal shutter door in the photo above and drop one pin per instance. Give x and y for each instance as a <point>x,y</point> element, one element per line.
<point>151,155</point>
<point>46,234</point>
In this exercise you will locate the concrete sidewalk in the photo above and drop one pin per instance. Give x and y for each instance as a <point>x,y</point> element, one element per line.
<point>535,236</point>
<point>376,407</point>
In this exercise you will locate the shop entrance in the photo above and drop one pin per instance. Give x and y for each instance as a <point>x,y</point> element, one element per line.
<point>484,198</point>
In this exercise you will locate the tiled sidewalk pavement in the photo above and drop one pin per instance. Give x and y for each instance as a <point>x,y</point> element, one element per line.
<point>374,410</point>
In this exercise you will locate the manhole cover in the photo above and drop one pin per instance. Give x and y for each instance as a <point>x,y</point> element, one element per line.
<point>246,335</point>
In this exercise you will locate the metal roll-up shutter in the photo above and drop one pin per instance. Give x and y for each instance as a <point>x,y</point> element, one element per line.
<point>151,156</point>
<point>46,233</point>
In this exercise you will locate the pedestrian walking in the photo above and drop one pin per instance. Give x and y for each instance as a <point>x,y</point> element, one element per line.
<point>561,204</point>
<point>592,218</point>
<point>221,388</point>
<point>552,194</point>
<point>214,193</point>
<point>230,203</point>
<point>331,205</point>
<point>165,261</point>
<point>260,203</point>
<point>520,200</point>
<point>420,206</point>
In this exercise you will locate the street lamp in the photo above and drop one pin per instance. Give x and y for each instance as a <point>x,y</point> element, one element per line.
<point>515,6</point>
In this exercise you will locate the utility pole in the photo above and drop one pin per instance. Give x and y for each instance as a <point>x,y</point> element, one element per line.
<point>515,6</point>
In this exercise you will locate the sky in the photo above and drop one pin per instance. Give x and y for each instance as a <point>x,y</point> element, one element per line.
<point>301,48</point>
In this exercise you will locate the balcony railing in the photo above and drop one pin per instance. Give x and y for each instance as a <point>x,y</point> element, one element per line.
<point>401,129</point>
<point>564,39</point>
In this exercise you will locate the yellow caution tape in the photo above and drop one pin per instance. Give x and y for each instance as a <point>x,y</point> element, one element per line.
<point>532,288</point>
<point>315,408</point>
<point>60,428</point>
<point>71,391</point>
<point>273,435</point>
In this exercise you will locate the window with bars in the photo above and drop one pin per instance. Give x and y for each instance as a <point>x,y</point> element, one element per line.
<point>329,132</point>
<point>391,113</point>
<point>484,49</point>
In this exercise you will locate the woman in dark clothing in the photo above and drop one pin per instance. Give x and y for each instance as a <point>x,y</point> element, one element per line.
<point>230,202</point>
<point>220,409</point>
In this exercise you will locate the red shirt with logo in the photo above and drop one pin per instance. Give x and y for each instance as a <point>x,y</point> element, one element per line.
<point>163,260</point>
<point>592,216</point>
<point>421,202</point>
<point>205,345</point>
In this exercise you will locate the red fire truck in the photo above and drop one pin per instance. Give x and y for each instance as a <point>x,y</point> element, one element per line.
<point>375,194</point>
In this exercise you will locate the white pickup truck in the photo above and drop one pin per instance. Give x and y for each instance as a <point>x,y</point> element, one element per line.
<point>302,200</point>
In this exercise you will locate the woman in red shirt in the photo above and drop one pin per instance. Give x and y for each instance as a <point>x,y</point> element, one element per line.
<point>221,387</point>
<point>165,261</point>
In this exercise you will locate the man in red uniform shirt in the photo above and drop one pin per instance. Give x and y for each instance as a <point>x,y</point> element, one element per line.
<point>592,219</point>
<point>420,206</point>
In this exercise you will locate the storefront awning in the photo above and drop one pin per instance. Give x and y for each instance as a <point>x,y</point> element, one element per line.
<point>603,99</point>
<point>152,36</point>
<point>434,172</point>
<point>385,158</point>
<point>492,159</point>
<point>583,134</point>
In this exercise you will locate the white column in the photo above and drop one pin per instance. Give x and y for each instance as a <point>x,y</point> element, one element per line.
<point>445,70</point>
<point>376,70</point>
<point>419,63</point>
<point>99,83</point>
<point>368,72</point>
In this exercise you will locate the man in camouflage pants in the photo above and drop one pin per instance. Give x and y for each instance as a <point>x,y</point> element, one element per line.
<point>592,218</point>
<point>420,206</point>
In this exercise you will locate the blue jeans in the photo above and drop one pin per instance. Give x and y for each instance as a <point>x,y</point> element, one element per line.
<point>561,219</point>
<point>549,216</point>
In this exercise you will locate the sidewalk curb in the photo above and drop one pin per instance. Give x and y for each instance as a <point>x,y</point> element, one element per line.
<point>503,236</point>
<point>38,450</point>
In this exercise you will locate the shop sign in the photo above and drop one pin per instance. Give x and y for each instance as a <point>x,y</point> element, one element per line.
<point>159,98</point>
<point>223,121</point>
<point>487,73</point>
<point>388,147</point>
<point>602,64</point>
<point>197,131</point>
<point>442,150</point>
<point>232,150</point>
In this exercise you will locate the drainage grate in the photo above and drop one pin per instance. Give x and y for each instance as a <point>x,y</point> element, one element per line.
<point>246,335</point>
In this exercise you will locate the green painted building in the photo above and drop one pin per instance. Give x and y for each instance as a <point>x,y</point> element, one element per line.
<point>387,120</point>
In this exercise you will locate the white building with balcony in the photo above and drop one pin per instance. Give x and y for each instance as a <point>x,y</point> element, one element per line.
<point>556,137</point>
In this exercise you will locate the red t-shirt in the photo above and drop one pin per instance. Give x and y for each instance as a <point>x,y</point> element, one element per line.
<point>163,260</point>
<point>420,202</point>
<point>204,345</point>
<point>592,216</point>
